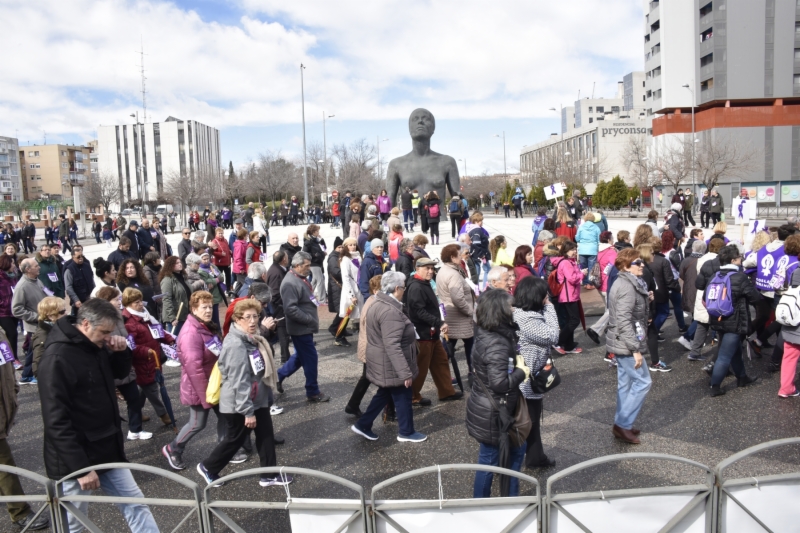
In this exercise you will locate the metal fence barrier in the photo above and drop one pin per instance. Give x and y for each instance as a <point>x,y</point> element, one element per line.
<point>758,504</point>
<point>486,515</point>
<point>662,509</point>
<point>47,499</point>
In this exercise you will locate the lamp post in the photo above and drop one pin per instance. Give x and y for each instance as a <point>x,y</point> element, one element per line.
<point>561,142</point>
<point>465,166</point>
<point>305,169</point>
<point>325,155</point>
<point>505,173</point>
<point>694,138</point>
<point>141,168</point>
<point>380,166</point>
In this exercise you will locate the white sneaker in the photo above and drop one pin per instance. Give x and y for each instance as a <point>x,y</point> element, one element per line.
<point>683,342</point>
<point>172,362</point>
<point>275,410</point>
<point>142,435</point>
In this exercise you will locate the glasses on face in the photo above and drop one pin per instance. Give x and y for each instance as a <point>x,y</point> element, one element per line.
<point>250,318</point>
<point>637,262</point>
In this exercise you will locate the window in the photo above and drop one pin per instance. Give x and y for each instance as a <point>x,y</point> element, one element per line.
<point>709,84</point>
<point>590,109</point>
<point>615,109</point>
<point>601,109</point>
<point>63,153</point>
<point>647,38</point>
<point>709,33</point>
<point>706,9</point>
<point>38,165</point>
<point>64,165</point>
<point>797,82</point>
<point>709,58</point>
<point>32,165</point>
<point>4,158</point>
<point>30,154</point>
<point>655,26</point>
<point>797,54</point>
<point>591,120</point>
<point>36,154</point>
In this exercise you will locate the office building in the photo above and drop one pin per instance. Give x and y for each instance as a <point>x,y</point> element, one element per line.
<point>740,63</point>
<point>145,156</point>
<point>51,170</point>
<point>10,175</point>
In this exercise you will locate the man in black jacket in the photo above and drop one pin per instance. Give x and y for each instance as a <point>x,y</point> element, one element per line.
<point>148,242</point>
<point>78,279</point>
<point>122,253</point>
<point>185,246</point>
<point>81,419</point>
<point>131,234</point>
<point>422,308</point>
<point>291,246</point>
<point>275,274</point>
<point>736,327</point>
<point>335,292</point>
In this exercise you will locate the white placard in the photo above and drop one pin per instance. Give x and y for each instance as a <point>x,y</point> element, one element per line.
<point>755,226</point>
<point>553,191</point>
<point>748,211</point>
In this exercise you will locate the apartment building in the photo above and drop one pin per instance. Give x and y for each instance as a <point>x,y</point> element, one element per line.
<point>51,170</point>
<point>10,175</point>
<point>143,156</point>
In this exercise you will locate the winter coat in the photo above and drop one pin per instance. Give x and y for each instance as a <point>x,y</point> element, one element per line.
<point>252,254</point>
<point>361,350</point>
<point>24,304</point>
<point>82,426</point>
<point>688,273</point>
<point>588,239</point>
<point>6,295</point>
<point>9,387</point>
<point>371,266</point>
<point>458,299</point>
<point>146,290</point>
<point>211,274</point>
<point>570,276</point>
<point>350,288</point>
<point>429,203</point>
<point>404,264</point>
<point>471,269</point>
<point>538,253</point>
<point>523,271</point>
<point>675,224</point>
<point>242,390</point>
<point>334,282</point>
<point>490,356</point>
<point>422,307</point>
<point>48,269</point>
<point>195,344</point>
<point>312,246</point>
<point>240,256</point>
<point>503,257</point>
<point>744,294</point>
<point>790,334</point>
<point>222,253</point>
<point>175,293</point>
<point>151,273</point>
<point>78,281</point>
<point>627,306</point>
<point>707,265</point>
<point>301,313</point>
<point>139,334</point>
<point>715,204</point>
<point>664,279</point>
<point>479,249</point>
<point>290,250</point>
<point>705,204</point>
<point>392,350</point>
<point>117,257</point>
<point>605,257</point>
<point>566,229</point>
<point>184,249</point>
<point>384,204</point>
<point>538,332</point>
<point>38,341</point>
<point>275,276</point>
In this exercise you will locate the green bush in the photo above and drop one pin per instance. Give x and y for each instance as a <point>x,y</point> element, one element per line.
<point>616,194</point>
<point>598,200</point>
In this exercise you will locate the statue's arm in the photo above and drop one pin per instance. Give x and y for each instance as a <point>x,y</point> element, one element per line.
<point>392,181</point>
<point>452,180</point>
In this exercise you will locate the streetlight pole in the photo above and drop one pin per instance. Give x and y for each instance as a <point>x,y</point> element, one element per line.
<point>305,170</point>
<point>325,155</point>
<point>465,166</point>
<point>505,173</point>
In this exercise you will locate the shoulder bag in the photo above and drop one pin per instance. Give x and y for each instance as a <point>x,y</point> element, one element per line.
<point>520,425</point>
<point>545,379</point>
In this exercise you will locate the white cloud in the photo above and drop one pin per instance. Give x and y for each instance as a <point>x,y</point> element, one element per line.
<point>69,66</point>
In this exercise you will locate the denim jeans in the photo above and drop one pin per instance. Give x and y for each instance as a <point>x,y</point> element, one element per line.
<point>677,306</point>
<point>487,266</point>
<point>490,455</point>
<point>115,482</point>
<point>729,355</point>
<point>402,403</point>
<point>689,335</point>
<point>305,356</point>
<point>662,312</point>
<point>632,386</point>
<point>587,262</point>
<point>408,219</point>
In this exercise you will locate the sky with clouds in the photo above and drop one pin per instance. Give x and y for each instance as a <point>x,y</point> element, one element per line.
<point>481,67</point>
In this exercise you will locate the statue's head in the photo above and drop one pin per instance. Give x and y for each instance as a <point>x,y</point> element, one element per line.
<point>421,124</point>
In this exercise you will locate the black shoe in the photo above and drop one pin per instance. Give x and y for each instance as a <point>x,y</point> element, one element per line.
<point>745,380</point>
<point>661,338</point>
<point>773,367</point>
<point>684,329</point>
<point>716,391</point>
<point>341,341</point>
<point>332,331</point>
<point>547,463</point>
<point>425,402</point>
<point>593,335</point>
<point>457,396</point>
<point>42,522</point>
<point>318,398</point>
<point>280,386</point>
<point>355,412</point>
<point>279,440</point>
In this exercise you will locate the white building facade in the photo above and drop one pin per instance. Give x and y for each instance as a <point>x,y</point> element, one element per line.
<point>144,156</point>
<point>10,174</point>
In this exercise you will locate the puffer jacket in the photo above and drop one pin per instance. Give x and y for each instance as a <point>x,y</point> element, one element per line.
<point>139,335</point>
<point>588,239</point>
<point>627,307</point>
<point>334,282</point>
<point>570,275</point>
<point>566,229</point>
<point>421,306</point>
<point>792,333</point>
<point>48,268</point>
<point>537,333</point>
<point>707,266</point>
<point>195,344</point>
<point>361,351</point>
<point>688,273</point>
<point>490,363</point>
<point>606,256</point>
<point>404,264</point>
<point>313,247</point>
<point>391,344</point>
<point>458,299</point>
<point>371,266</point>
<point>744,294</point>
<point>175,293</point>
<point>238,379</point>
<point>240,256</point>
<point>664,279</point>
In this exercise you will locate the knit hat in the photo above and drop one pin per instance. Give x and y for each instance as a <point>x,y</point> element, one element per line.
<point>376,243</point>
<point>676,206</point>
<point>337,242</point>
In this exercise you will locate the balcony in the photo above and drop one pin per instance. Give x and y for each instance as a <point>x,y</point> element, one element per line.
<point>706,20</point>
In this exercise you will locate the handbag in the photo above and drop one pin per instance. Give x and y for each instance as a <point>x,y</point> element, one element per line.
<point>214,386</point>
<point>521,425</point>
<point>545,379</point>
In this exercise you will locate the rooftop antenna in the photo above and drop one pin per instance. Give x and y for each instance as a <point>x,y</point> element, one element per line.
<point>45,136</point>
<point>593,90</point>
<point>144,89</point>
<point>579,94</point>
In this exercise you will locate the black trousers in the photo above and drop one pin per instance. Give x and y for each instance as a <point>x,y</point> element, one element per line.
<point>687,217</point>
<point>704,218</point>
<point>434,227</point>
<point>652,342</point>
<point>566,339</point>
<point>715,217</point>
<point>283,340</point>
<point>454,220</point>
<point>226,271</point>
<point>361,390</point>
<point>518,211</point>
<point>236,434</point>
<point>534,454</point>
<point>9,325</point>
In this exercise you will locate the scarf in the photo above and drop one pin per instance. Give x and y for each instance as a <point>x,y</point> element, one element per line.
<point>143,315</point>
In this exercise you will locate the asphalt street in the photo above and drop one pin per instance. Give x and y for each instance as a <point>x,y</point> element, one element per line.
<point>678,418</point>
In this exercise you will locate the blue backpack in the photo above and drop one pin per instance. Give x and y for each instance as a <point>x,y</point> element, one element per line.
<point>718,297</point>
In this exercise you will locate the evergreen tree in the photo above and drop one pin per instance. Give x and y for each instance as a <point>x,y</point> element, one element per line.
<point>599,199</point>
<point>508,192</point>
<point>634,192</point>
<point>537,193</point>
<point>616,193</point>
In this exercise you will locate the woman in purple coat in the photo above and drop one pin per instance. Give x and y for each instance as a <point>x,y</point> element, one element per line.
<point>384,205</point>
<point>199,344</point>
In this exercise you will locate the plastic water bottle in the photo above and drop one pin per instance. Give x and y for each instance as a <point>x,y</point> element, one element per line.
<point>510,365</point>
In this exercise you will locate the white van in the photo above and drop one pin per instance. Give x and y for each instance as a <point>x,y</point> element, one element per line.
<point>164,209</point>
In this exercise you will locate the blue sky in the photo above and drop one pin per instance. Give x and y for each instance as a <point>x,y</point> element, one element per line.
<point>234,64</point>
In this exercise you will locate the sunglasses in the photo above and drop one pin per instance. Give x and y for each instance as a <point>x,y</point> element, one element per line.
<point>637,262</point>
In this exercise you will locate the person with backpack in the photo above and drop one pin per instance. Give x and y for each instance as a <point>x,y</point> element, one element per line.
<point>674,254</point>
<point>727,299</point>
<point>567,278</point>
<point>687,271</point>
<point>791,337</point>
<point>455,210</point>
<point>588,239</point>
<point>673,221</point>
<point>434,213</point>
<point>479,247</point>
<point>707,266</point>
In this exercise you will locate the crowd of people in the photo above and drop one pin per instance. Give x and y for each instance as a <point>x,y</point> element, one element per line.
<point>227,313</point>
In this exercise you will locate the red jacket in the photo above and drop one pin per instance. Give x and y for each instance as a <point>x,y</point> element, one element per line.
<point>144,363</point>
<point>239,256</point>
<point>222,253</point>
<point>567,230</point>
<point>538,253</point>
<point>256,253</point>
<point>522,271</point>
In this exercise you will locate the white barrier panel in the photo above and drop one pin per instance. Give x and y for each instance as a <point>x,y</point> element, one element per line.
<point>473,518</point>
<point>323,520</point>
<point>775,504</point>
<point>643,514</point>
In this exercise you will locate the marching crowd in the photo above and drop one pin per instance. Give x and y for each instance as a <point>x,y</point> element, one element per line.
<point>226,313</point>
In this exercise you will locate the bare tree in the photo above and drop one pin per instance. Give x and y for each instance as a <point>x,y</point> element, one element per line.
<point>719,156</point>
<point>356,167</point>
<point>273,176</point>
<point>101,189</point>
<point>636,160</point>
<point>183,190</point>
<point>671,161</point>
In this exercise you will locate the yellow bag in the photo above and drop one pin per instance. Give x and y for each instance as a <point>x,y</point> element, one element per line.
<point>214,386</point>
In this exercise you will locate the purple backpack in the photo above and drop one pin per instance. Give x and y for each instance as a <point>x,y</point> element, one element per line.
<point>718,297</point>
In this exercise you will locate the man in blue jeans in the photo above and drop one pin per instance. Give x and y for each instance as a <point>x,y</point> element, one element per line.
<point>302,321</point>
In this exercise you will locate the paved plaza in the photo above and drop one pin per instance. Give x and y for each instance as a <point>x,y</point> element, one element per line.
<point>678,418</point>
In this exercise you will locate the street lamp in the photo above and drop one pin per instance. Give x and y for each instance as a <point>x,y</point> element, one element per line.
<point>305,162</point>
<point>380,166</point>
<point>465,166</point>
<point>505,173</point>
<point>325,155</point>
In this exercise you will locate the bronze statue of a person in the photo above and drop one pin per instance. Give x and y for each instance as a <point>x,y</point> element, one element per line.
<point>422,168</point>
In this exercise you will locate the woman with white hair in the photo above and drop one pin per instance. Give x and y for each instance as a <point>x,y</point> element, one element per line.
<point>391,360</point>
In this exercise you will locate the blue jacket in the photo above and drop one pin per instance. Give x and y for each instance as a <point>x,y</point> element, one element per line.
<point>536,227</point>
<point>371,266</point>
<point>588,239</point>
<point>603,223</point>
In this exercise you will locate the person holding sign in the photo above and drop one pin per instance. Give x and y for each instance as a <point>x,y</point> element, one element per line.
<point>145,337</point>
<point>248,379</point>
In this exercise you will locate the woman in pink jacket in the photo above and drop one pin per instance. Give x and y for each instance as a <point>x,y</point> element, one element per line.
<point>570,275</point>
<point>384,205</point>
<point>199,344</point>
<point>240,258</point>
